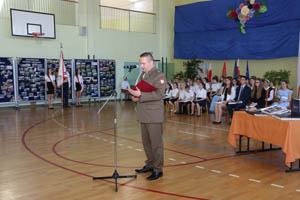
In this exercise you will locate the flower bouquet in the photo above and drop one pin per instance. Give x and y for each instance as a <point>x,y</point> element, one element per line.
<point>247,11</point>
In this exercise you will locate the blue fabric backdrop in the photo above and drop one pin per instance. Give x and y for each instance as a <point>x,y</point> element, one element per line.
<point>202,30</point>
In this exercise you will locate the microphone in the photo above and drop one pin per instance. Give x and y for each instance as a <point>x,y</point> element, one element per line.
<point>131,67</point>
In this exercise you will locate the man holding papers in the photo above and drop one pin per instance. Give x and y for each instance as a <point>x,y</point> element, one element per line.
<point>149,94</point>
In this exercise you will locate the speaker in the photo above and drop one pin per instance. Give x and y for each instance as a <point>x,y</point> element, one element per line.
<point>295,108</point>
<point>83,30</point>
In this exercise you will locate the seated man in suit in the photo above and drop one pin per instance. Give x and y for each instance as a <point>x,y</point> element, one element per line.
<point>242,97</point>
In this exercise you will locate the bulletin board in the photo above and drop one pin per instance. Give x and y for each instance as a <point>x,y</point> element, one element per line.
<point>89,72</point>
<point>31,79</point>
<point>107,74</point>
<point>6,80</point>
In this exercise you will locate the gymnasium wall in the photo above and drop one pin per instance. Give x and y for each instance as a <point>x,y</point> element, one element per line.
<point>104,44</point>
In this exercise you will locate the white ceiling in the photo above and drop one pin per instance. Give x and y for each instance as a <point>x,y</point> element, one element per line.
<point>139,5</point>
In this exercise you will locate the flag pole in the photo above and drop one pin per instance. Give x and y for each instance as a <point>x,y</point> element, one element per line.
<point>62,86</point>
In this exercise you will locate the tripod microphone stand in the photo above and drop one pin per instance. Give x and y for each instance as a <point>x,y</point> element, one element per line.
<point>115,175</point>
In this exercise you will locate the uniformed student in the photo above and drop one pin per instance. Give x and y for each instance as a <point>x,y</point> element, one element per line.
<point>201,99</point>
<point>150,113</point>
<point>174,96</point>
<point>78,80</point>
<point>50,87</point>
<point>66,86</point>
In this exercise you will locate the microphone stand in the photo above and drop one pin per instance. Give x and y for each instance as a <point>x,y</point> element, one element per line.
<point>115,175</point>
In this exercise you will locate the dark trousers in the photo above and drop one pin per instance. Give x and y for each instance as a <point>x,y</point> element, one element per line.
<point>236,107</point>
<point>183,107</point>
<point>153,145</point>
<point>66,94</point>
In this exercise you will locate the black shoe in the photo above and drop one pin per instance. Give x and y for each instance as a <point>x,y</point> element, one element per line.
<point>215,122</point>
<point>144,170</point>
<point>154,176</point>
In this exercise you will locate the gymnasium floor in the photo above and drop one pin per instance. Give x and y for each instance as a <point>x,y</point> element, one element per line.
<point>53,154</point>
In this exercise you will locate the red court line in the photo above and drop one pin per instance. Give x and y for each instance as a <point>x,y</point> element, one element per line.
<point>86,175</point>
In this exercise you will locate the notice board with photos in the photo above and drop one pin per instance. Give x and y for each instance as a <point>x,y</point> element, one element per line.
<point>89,72</point>
<point>107,72</point>
<point>31,79</point>
<point>54,64</point>
<point>6,80</point>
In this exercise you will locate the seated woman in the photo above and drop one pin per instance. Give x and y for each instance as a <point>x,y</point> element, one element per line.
<point>181,98</point>
<point>201,99</point>
<point>188,99</point>
<point>228,95</point>
<point>258,95</point>
<point>284,95</point>
<point>174,96</point>
<point>269,93</point>
<point>217,88</point>
<point>167,94</point>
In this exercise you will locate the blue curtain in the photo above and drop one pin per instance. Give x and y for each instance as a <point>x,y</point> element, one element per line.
<point>202,30</point>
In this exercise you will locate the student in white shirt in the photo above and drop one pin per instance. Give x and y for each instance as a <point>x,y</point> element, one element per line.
<point>187,101</point>
<point>269,93</point>
<point>125,86</point>
<point>50,87</point>
<point>167,93</point>
<point>201,99</point>
<point>174,95</point>
<point>215,86</point>
<point>181,96</point>
<point>228,95</point>
<point>78,80</point>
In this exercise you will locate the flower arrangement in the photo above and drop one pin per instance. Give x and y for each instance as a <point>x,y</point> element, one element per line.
<point>246,11</point>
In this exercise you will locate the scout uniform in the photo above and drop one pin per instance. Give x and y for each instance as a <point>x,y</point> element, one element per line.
<point>150,113</point>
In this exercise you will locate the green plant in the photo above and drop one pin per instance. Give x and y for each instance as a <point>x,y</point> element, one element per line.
<point>191,68</point>
<point>277,76</point>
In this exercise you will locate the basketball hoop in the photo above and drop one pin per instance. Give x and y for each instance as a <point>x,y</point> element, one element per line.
<point>37,35</point>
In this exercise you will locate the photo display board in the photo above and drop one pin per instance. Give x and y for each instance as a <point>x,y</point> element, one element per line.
<point>31,79</point>
<point>89,72</point>
<point>6,80</point>
<point>54,64</point>
<point>107,72</point>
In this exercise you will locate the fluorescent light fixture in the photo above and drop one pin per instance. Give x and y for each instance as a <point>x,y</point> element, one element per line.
<point>133,0</point>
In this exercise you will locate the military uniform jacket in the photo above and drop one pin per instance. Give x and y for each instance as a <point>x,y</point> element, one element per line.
<point>150,107</point>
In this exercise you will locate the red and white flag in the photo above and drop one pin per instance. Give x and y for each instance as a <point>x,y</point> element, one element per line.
<point>238,67</point>
<point>224,74</point>
<point>209,73</point>
<point>62,72</point>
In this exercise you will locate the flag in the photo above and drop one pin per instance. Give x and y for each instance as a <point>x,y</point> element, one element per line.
<point>62,72</point>
<point>236,72</point>
<point>224,74</point>
<point>247,71</point>
<point>206,69</point>
<point>209,74</point>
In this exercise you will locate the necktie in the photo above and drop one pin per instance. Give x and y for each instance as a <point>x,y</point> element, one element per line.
<point>240,93</point>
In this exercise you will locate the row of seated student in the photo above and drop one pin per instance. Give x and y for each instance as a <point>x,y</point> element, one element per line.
<point>227,94</point>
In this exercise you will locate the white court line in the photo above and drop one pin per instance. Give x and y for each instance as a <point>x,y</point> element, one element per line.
<point>253,180</point>
<point>98,138</point>
<point>297,190</point>
<point>183,162</point>
<point>172,159</point>
<point>105,140</point>
<point>112,142</point>
<point>129,147</point>
<point>200,167</point>
<point>233,175</point>
<point>190,133</point>
<point>138,149</point>
<point>222,129</point>
<point>216,171</point>
<point>278,186</point>
<point>121,144</point>
<point>91,136</point>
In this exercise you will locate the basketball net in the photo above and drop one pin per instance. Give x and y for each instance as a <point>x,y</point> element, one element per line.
<point>38,37</point>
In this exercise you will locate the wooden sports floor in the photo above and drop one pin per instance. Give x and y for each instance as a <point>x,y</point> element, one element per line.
<point>53,154</point>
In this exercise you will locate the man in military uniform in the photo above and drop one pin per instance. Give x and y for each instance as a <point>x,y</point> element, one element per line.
<point>150,113</point>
